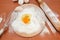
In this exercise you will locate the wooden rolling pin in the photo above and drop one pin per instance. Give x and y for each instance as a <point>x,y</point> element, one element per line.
<point>50,14</point>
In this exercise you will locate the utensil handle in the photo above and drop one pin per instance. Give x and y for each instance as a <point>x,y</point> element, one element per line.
<point>50,14</point>
<point>1,31</point>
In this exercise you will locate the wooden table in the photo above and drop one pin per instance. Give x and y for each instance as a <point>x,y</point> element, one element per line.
<point>7,6</point>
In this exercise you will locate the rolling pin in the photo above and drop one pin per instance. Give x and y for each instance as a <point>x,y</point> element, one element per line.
<point>50,14</point>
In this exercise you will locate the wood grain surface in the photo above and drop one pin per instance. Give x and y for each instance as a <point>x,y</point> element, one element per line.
<point>7,6</point>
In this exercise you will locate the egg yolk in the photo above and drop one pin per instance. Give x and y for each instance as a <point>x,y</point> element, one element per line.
<point>26,18</point>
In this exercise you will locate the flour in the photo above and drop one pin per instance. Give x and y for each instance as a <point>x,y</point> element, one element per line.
<point>0,19</point>
<point>35,24</point>
<point>45,31</point>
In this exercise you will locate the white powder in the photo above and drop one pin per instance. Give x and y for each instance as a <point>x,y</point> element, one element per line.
<point>45,31</point>
<point>35,24</point>
<point>20,2</point>
<point>0,19</point>
<point>26,1</point>
<point>49,13</point>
